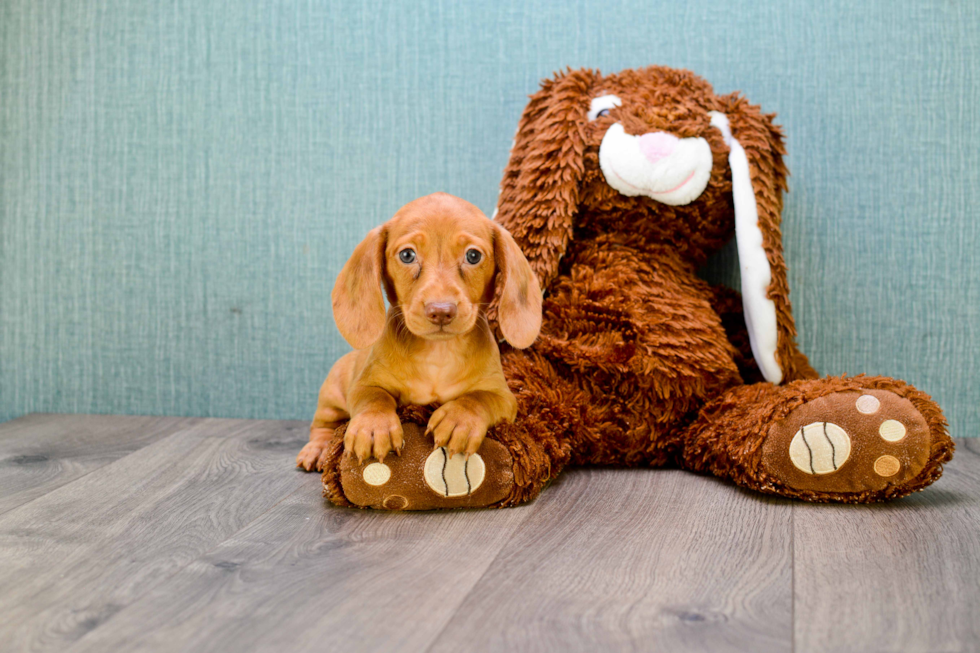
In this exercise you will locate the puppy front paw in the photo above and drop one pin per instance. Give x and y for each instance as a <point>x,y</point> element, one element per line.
<point>459,426</point>
<point>314,454</point>
<point>373,433</point>
<point>309,457</point>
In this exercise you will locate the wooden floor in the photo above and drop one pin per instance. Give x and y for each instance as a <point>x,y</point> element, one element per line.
<point>169,534</point>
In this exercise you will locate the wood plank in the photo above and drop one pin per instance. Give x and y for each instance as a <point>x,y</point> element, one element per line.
<point>903,576</point>
<point>39,453</point>
<point>74,557</point>
<point>654,560</point>
<point>312,577</point>
<point>205,539</point>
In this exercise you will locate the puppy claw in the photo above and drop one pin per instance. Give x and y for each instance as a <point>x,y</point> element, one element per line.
<point>310,457</point>
<point>374,434</point>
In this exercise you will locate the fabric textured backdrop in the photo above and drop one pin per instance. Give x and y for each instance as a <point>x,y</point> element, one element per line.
<point>181,181</point>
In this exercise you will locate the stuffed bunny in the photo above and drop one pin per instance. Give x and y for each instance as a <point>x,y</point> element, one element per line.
<point>618,189</point>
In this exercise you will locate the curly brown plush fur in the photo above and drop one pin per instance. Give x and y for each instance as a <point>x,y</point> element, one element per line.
<point>639,361</point>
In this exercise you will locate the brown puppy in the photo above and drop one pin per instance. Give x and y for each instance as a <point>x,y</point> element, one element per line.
<point>439,259</point>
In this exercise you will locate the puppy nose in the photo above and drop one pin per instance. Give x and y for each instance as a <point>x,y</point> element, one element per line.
<point>657,145</point>
<point>440,312</point>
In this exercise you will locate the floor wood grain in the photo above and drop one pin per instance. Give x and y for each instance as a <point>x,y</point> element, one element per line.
<point>149,534</point>
<point>903,576</point>
<point>39,453</point>
<point>638,559</point>
<point>324,579</point>
<point>73,558</point>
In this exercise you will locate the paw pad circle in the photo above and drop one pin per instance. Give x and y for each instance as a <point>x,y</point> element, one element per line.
<point>887,466</point>
<point>867,404</point>
<point>891,430</point>
<point>376,474</point>
<point>395,502</point>
<point>456,476</point>
<point>820,448</point>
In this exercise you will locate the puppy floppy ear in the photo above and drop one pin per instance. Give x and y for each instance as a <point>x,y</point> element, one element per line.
<point>519,306</point>
<point>540,191</point>
<point>758,182</point>
<point>358,305</point>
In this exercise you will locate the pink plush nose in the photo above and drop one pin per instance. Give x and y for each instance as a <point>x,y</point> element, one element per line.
<point>657,145</point>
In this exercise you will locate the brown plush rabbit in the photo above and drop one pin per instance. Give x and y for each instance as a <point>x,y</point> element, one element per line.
<point>618,188</point>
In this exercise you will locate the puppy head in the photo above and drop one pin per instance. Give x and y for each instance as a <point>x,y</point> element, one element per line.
<point>439,259</point>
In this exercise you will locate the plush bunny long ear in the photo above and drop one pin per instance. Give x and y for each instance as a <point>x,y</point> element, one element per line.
<point>540,190</point>
<point>519,306</point>
<point>758,181</point>
<point>358,305</point>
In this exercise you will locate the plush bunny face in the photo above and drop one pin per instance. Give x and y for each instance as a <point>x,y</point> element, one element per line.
<point>654,155</point>
<point>637,152</point>
<point>651,155</point>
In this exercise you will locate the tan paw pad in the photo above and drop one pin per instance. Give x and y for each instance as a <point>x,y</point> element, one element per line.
<point>454,476</point>
<point>395,502</point>
<point>887,466</point>
<point>820,448</point>
<point>867,404</point>
<point>891,430</point>
<point>376,474</point>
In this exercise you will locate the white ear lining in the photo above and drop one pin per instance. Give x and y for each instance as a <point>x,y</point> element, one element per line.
<point>760,311</point>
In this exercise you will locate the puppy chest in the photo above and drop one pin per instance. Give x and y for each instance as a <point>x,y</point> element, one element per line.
<point>435,382</point>
<point>424,393</point>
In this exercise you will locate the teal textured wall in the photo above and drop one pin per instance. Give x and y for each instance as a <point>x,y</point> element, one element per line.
<point>180,181</point>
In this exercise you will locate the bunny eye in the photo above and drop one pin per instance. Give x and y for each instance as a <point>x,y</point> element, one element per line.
<point>602,105</point>
<point>407,255</point>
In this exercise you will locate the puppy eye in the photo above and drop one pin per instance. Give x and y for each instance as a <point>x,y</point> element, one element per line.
<point>473,256</point>
<point>602,105</point>
<point>407,255</point>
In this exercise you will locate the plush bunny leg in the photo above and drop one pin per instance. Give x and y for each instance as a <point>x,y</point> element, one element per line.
<point>850,440</point>
<point>422,476</point>
<point>512,466</point>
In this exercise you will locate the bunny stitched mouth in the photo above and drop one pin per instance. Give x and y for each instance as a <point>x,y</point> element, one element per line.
<point>680,166</point>
<point>647,191</point>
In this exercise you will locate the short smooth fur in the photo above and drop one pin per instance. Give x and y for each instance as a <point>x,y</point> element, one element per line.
<point>439,260</point>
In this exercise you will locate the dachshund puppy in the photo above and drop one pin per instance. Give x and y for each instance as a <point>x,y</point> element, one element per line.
<point>440,261</point>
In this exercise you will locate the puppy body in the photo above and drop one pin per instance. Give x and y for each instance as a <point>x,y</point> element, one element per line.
<point>440,261</point>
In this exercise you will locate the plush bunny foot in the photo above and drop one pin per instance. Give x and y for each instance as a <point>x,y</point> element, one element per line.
<point>421,478</point>
<point>849,442</point>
